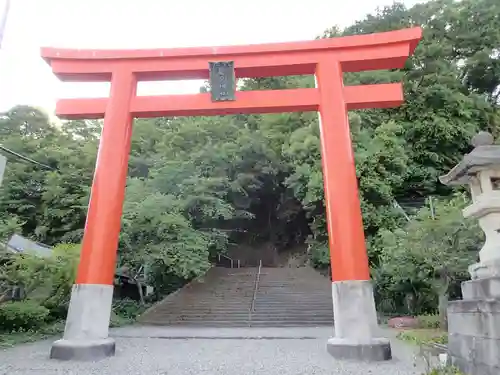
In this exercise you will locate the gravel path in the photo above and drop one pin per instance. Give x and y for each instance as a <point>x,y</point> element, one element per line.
<point>185,351</point>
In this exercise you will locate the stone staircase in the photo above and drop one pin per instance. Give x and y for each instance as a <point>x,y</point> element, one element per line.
<point>224,297</point>
<point>292,297</point>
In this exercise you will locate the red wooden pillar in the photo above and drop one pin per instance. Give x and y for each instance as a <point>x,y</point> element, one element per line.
<point>355,317</point>
<point>90,307</point>
<point>345,225</point>
<point>98,256</point>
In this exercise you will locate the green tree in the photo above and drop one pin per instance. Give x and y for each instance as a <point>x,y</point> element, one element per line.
<point>430,254</point>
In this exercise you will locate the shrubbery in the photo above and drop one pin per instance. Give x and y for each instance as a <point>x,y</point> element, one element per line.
<point>22,315</point>
<point>46,284</point>
<point>128,308</point>
<point>429,321</point>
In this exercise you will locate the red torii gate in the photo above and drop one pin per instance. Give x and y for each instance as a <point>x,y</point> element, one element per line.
<point>86,333</point>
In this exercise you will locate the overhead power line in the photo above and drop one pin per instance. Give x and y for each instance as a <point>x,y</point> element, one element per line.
<point>25,158</point>
<point>3,20</point>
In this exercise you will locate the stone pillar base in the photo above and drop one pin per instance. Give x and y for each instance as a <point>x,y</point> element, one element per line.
<point>87,325</point>
<point>81,350</point>
<point>356,327</point>
<point>376,350</point>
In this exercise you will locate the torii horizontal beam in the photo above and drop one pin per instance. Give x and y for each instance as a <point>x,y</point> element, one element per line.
<point>261,101</point>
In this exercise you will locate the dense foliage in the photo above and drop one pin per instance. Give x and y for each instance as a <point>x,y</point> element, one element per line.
<point>199,185</point>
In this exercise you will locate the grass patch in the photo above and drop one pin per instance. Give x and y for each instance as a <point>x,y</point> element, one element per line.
<point>446,371</point>
<point>8,340</point>
<point>423,336</point>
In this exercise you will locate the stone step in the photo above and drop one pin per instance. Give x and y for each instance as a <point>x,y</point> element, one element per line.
<point>226,323</point>
<point>283,306</point>
<point>293,303</point>
<point>231,318</point>
<point>296,312</point>
<point>293,311</point>
<point>208,303</point>
<point>179,310</point>
<point>292,297</point>
<point>291,324</point>
<point>289,291</point>
<point>310,286</point>
<point>218,309</point>
<point>200,323</point>
<point>292,308</point>
<point>235,317</point>
<point>258,320</point>
<point>291,317</point>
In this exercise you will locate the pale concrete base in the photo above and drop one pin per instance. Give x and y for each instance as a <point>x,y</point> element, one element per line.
<point>356,325</point>
<point>79,350</point>
<point>87,325</point>
<point>376,350</point>
<point>474,328</point>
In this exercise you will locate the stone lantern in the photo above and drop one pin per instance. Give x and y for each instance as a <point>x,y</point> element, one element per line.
<point>480,169</point>
<point>474,322</point>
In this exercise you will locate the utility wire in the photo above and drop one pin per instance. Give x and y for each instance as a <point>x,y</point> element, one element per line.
<point>3,21</point>
<point>25,158</point>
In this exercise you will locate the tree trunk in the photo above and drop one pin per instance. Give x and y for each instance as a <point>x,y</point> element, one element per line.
<point>443,307</point>
<point>141,294</point>
<point>443,300</point>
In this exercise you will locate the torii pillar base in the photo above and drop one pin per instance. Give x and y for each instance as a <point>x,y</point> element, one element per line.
<point>356,328</point>
<point>78,350</point>
<point>86,333</point>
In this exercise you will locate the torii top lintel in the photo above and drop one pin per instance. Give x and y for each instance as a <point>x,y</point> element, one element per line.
<point>387,50</point>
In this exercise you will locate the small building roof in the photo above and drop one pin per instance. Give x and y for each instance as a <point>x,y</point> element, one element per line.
<point>21,244</point>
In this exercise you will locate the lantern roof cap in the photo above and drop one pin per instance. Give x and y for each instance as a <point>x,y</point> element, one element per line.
<point>485,155</point>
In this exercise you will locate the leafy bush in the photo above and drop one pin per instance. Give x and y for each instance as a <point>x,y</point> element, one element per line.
<point>23,315</point>
<point>60,278</point>
<point>319,254</point>
<point>429,321</point>
<point>126,311</point>
<point>47,280</point>
<point>127,308</point>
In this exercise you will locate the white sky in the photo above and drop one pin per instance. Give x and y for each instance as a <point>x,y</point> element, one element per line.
<point>26,79</point>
